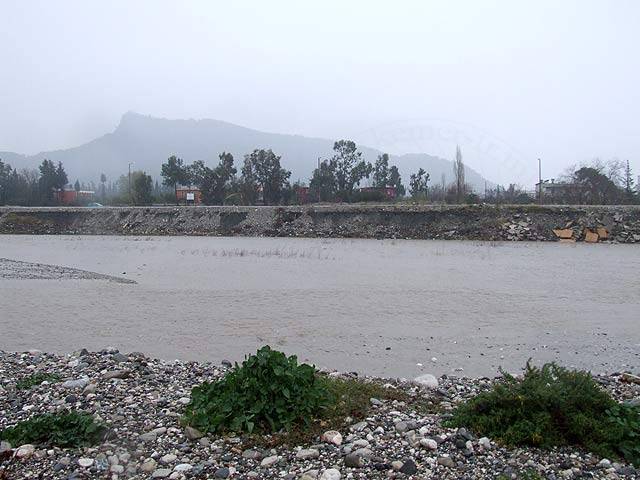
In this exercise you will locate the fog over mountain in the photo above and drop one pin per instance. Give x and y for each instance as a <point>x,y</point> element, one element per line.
<point>147,142</point>
<point>510,82</point>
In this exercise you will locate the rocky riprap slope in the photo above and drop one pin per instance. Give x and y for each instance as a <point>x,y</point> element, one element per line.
<point>473,222</point>
<point>141,400</point>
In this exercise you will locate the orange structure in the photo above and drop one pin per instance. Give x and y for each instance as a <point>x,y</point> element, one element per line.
<point>189,195</point>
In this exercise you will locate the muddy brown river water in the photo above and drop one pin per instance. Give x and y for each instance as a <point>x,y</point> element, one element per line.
<point>380,307</point>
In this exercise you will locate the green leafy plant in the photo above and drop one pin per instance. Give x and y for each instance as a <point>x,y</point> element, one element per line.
<point>624,429</point>
<point>553,406</point>
<point>65,429</point>
<point>268,392</point>
<point>525,475</point>
<point>36,379</point>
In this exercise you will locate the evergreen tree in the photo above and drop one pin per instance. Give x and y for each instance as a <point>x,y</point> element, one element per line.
<point>629,191</point>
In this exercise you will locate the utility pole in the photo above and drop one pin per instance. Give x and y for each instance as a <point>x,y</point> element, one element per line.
<point>540,181</point>
<point>319,173</point>
<point>130,163</point>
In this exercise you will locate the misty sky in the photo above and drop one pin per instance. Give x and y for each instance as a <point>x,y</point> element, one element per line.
<point>509,80</point>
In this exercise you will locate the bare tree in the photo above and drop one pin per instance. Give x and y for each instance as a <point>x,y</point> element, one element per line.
<point>458,173</point>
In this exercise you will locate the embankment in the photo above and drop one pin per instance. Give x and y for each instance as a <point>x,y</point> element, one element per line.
<point>475,222</point>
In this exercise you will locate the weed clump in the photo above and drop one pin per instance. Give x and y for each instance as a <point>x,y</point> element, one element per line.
<point>272,393</point>
<point>268,392</point>
<point>36,379</point>
<point>554,406</point>
<point>66,429</point>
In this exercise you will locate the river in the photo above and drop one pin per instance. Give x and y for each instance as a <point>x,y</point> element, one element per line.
<point>380,307</point>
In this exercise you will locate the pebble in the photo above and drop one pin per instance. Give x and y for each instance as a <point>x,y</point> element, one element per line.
<point>116,374</point>
<point>161,473</point>
<point>331,474</point>
<point>169,458</point>
<point>25,451</point>
<point>429,443</point>
<point>193,433</point>
<point>353,460</point>
<point>446,462</point>
<point>252,454</point>
<point>409,467</point>
<point>149,465</point>
<point>222,473</point>
<point>182,467</point>
<point>333,437</point>
<point>307,453</point>
<point>427,380</point>
<point>269,461</point>
<point>85,462</point>
<point>79,383</point>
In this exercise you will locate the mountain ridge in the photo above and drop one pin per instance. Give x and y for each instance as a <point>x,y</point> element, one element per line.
<point>147,142</point>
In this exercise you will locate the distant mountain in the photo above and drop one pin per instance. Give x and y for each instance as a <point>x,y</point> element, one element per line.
<point>148,141</point>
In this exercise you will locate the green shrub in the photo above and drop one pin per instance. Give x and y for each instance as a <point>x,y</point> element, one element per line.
<point>66,429</point>
<point>36,379</point>
<point>553,406</point>
<point>270,391</point>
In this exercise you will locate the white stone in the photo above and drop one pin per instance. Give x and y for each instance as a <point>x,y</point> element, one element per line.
<point>332,436</point>
<point>182,467</point>
<point>168,458</point>
<point>427,380</point>
<point>73,384</point>
<point>25,451</point>
<point>85,462</point>
<point>161,473</point>
<point>331,474</point>
<point>149,465</point>
<point>269,461</point>
<point>429,443</point>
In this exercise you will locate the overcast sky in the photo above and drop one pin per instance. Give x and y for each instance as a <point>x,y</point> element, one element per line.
<point>510,80</point>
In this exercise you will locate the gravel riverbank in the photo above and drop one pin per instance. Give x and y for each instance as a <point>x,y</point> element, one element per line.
<point>19,270</point>
<point>141,400</point>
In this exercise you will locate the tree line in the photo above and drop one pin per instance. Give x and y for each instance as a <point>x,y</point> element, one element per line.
<point>262,180</point>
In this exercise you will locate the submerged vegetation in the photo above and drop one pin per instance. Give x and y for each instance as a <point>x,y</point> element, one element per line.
<point>554,406</point>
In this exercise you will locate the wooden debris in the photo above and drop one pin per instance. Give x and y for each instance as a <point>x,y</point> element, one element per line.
<point>627,377</point>
<point>563,233</point>
<point>590,237</point>
<point>602,233</point>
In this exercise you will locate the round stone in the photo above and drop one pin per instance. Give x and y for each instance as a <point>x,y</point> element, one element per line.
<point>332,436</point>
<point>331,474</point>
<point>85,462</point>
<point>427,380</point>
<point>269,461</point>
